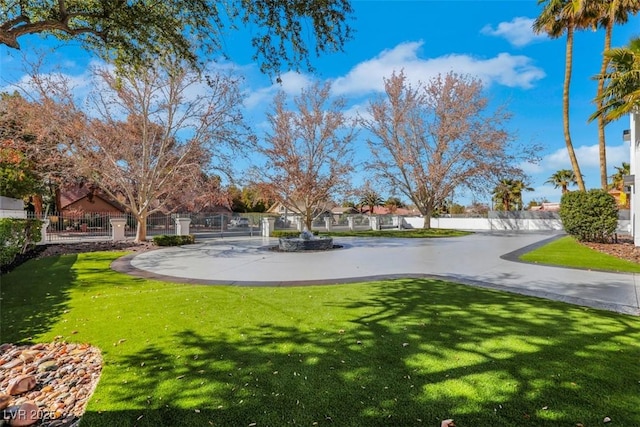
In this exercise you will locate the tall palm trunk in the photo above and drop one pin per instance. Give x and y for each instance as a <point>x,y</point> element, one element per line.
<point>602,146</point>
<point>565,108</point>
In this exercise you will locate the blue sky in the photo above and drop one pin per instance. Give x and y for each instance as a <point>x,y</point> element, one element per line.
<point>491,40</point>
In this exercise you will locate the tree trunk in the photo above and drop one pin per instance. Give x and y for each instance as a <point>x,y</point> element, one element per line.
<point>565,108</point>
<point>602,145</point>
<point>141,228</point>
<point>426,213</point>
<point>307,219</point>
<point>58,200</point>
<point>37,205</point>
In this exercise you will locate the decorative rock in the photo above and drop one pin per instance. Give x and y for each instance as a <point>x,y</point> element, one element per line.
<point>12,364</point>
<point>5,399</point>
<point>28,355</point>
<point>26,415</point>
<point>49,365</point>
<point>65,377</point>
<point>21,384</point>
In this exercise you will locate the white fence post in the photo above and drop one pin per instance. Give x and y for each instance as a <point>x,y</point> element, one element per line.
<point>350,222</point>
<point>268,225</point>
<point>374,222</point>
<point>182,226</point>
<point>328,223</point>
<point>117,228</point>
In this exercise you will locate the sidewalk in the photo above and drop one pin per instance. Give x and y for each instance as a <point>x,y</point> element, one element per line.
<point>480,259</point>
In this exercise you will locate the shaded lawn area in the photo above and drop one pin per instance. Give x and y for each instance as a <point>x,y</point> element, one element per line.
<point>395,233</point>
<point>567,252</point>
<point>402,352</point>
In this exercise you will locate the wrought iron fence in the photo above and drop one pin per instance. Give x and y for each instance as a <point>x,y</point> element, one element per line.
<point>83,226</point>
<point>78,226</point>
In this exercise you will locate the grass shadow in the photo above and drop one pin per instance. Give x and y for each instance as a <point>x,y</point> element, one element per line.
<point>29,311</point>
<point>405,352</point>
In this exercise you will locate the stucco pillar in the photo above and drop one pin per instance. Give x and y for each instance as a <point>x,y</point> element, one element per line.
<point>350,222</point>
<point>268,225</point>
<point>117,228</point>
<point>328,223</point>
<point>374,222</point>
<point>182,226</point>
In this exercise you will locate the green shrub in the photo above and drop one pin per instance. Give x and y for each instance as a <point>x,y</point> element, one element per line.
<point>172,240</point>
<point>285,233</point>
<point>589,216</point>
<point>17,236</point>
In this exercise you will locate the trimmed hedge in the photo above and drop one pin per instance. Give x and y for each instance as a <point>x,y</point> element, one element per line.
<point>172,240</point>
<point>18,236</point>
<point>590,216</point>
<point>284,233</point>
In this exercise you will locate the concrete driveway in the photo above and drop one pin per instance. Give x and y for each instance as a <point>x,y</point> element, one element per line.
<point>481,259</point>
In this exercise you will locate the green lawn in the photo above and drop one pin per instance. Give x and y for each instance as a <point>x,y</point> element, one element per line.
<point>569,253</point>
<point>402,352</point>
<point>407,233</point>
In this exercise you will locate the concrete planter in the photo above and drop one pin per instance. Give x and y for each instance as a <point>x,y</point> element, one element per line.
<point>296,244</point>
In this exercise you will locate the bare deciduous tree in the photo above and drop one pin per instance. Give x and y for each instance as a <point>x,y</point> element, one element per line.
<point>152,134</point>
<point>430,139</point>
<point>174,122</point>
<point>308,151</point>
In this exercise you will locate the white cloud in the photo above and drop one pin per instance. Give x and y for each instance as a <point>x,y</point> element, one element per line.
<point>588,156</point>
<point>505,69</point>
<point>291,83</point>
<point>518,32</point>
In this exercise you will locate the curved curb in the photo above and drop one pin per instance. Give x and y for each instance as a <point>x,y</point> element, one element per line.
<point>515,257</point>
<point>123,265</point>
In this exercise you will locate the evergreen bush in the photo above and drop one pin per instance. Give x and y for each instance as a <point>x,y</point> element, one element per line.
<point>173,240</point>
<point>590,216</point>
<point>17,236</point>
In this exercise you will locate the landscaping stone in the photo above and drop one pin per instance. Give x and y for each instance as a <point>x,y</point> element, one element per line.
<point>55,396</point>
<point>5,399</point>
<point>25,415</point>
<point>21,384</point>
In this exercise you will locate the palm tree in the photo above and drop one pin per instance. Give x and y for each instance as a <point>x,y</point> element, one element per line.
<point>371,199</point>
<point>607,14</point>
<point>502,195</point>
<point>517,187</point>
<point>393,203</point>
<point>508,194</point>
<point>558,17</point>
<point>562,178</point>
<point>621,94</point>
<point>617,179</point>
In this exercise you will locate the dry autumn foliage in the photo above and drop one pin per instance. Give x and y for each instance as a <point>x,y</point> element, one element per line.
<point>430,139</point>
<point>308,151</point>
<point>152,135</point>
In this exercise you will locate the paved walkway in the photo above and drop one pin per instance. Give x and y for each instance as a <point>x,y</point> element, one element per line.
<point>482,259</point>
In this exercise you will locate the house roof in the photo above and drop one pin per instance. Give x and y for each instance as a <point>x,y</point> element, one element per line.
<point>551,207</point>
<point>73,194</point>
<point>339,210</point>
<point>383,210</point>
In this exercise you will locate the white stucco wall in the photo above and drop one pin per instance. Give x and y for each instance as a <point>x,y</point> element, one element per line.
<point>12,208</point>
<point>487,224</point>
